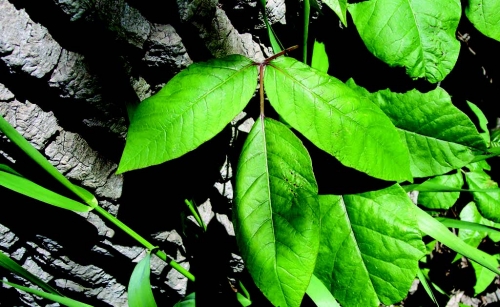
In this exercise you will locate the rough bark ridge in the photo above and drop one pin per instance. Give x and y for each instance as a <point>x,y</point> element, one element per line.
<point>67,70</point>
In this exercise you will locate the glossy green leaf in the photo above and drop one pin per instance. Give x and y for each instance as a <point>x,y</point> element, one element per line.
<point>12,266</point>
<point>483,121</point>
<point>487,203</point>
<point>28,188</point>
<point>416,34</point>
<point>484,278</point>
<point>438,231</point>
<point>276,214</point>
<point>319,59</point>
<point>50,296</point>
<point>339,7</point>
<point>188,301</point>
<point>191,109</point>
<point>139,287</point>
<point>320,294</point>
<point>442,200</point>
<point>438,135</point>
<point>36,156</point>
<point>370,247</point>
<point>336,119</point>
<point>485,16</point>
<point>427,287</point>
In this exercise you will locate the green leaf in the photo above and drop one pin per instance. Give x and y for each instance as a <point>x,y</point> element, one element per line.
<point>191,109</point>
<point>485,16</point>
<point>36,156</point>
<point>188,301</point>
<point>12,266</point>
<point>28,188</point>
<point>336,119</point>
<point>442,200</point>
<point>483,122</point>
<point>320,294</point>
<point>319,59</point>
<point>339,7</point>
<point>139,287</point>
<point>438,231</point>
<point>370,246</point>
<point>470,214</point>
<point>484,278</point>
<point>53,297</point>
<point>416,34</point>
<point>276,214</point>
<point>8,169</point>
<point>438,135</point>
<point>487,203</point>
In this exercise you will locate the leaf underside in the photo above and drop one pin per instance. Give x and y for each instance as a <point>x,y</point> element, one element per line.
<point>416,34</point>
<point>191,109</point>
<point>370,246</point>
<point>336,119</point>
<point>276,212</point>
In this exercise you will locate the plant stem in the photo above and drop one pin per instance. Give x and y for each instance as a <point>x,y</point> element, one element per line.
<point>86,196</point>
<point>196,214</point>
<point>307,13</point>
<point>261,88</point>
<point>144,242</point>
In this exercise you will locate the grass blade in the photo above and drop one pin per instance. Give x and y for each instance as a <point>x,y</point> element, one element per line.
<point>53,297</point>
<point>28,188</point>
<point>427,287</point>
<point>12,266</point>
<point>273,39</point>
<point>440,232</point>
<point>452,223</point>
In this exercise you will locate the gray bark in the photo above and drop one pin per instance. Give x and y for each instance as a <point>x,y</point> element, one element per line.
<point>67,70</point>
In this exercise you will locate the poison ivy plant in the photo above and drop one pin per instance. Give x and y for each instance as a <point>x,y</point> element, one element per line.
<point>364,248</point>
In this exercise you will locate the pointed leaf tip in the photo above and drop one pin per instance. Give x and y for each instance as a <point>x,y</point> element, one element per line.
<point>191,109</point>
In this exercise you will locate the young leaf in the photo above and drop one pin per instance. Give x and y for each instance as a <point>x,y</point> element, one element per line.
<point>339,7</point>
<point>438,135</point>
<point>336,119</point>
<point>191,109</point>
<point>53,297</point>
<point>487,203</point>
<point>139,287</point>
<point>12,266</point>
<point>442,200</point>
<point>370,246</point>
<point>416,34</point>
<point>438,231</point>
<point>485,16</point>
<point>276,214</point>
<point>320,294</point>
<point>28,188</point>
